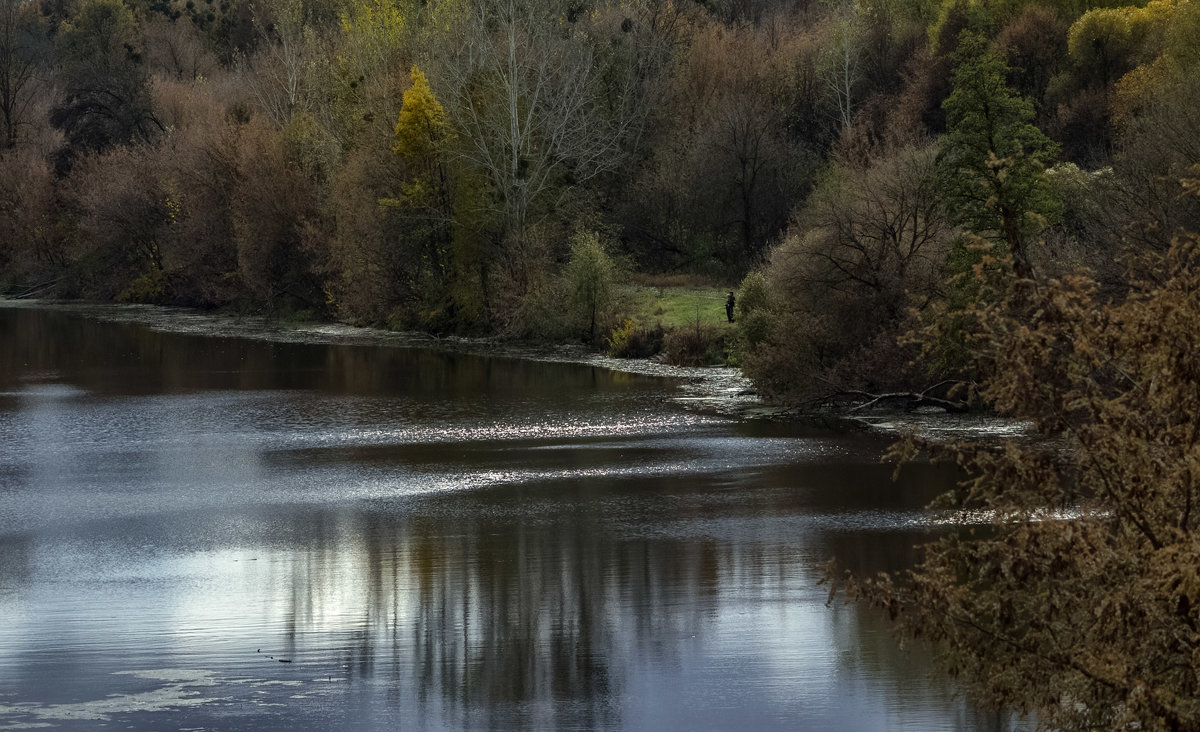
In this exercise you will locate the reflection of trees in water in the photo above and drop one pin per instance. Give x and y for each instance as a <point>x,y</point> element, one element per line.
<point>868,552</point>
<point>867,643</point>
<point>530,606</point>
<point>868,648</point>
<point>514,619</point>
<point>133,359</point>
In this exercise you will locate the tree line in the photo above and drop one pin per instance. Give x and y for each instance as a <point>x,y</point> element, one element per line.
<point>428,164</point>
<point>1051,138</point>
<point>412,164</point>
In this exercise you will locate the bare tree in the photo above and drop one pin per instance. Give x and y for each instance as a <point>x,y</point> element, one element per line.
<point>177,50</point>
<point>105,98</point>
<point>524,87</point>
<point>841,64</point>
<point>22,48</point>
<point>126,212</point>
<point>873,240</point>
<point>743,146</point>
<point>30,241</point>
<point>878,228</point>
<point>725,172</point>
<point>278,73</point>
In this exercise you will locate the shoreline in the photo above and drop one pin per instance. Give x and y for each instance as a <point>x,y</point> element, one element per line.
<point>719,390</point>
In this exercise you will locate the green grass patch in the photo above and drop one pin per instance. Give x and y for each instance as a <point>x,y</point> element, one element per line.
<point>674,307</point>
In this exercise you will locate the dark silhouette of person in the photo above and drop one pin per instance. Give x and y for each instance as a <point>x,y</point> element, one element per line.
<point>729,302</point>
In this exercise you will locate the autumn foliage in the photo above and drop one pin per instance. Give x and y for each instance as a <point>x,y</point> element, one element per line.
<point>916,193</point>
<point>425,165</point>
<point>1075,594</point>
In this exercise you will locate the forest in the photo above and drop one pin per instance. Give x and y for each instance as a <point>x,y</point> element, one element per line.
<point>499,166</point>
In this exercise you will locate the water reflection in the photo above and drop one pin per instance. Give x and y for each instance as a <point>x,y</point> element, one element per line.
<point>231,534</point>
<point>126,358</point>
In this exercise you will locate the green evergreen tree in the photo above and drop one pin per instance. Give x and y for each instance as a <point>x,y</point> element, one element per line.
<point>994,156</point>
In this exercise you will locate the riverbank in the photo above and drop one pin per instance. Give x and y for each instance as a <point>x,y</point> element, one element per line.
<point>718,390</point>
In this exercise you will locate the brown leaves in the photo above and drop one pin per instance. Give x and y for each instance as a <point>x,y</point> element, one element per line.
<point>1088,616</point>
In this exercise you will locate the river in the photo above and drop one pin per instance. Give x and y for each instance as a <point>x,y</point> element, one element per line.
<point>231,533</point>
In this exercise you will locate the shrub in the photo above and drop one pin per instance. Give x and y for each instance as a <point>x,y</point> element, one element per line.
<point>590,279</point>
<point>753,315</point>
<point>826,313</point>
<point>149,287</point>
<point>125,214</point>
<point>274,206</point>
<point>31,242</point>
<point>630,340</point>
<point>695,344</point>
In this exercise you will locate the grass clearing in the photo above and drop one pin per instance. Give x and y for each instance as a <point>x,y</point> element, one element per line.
<point>676,306</point>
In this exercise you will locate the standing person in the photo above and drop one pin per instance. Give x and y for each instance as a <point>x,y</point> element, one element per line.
<point>729,302</point>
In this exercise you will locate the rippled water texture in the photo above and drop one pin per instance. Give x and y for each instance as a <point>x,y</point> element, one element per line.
<point>223,533</point>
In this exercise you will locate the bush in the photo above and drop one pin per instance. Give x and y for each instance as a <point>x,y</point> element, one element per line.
<point>695,344</point>
<point>540,316</point>
<point>590,279</point>
<point>125,214</point>
<point>753,315</point>
<point>149,287</point>
<point>827,312</point>
<point>630,340</point>
<point>275,207</point>
<point>31,241</point>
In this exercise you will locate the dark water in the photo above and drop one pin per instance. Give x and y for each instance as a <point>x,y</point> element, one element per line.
<point>211,533</point>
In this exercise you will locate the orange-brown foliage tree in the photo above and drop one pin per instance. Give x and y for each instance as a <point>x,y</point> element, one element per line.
<point>1076,597</point>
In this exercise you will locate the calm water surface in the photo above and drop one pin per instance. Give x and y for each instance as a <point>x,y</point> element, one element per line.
<point>211,533</point>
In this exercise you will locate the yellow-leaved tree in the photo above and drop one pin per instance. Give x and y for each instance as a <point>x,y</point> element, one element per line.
<point>1170,53</point>
<point>1109,42</point>
<point>425,206</point>
<point>421,130</point>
